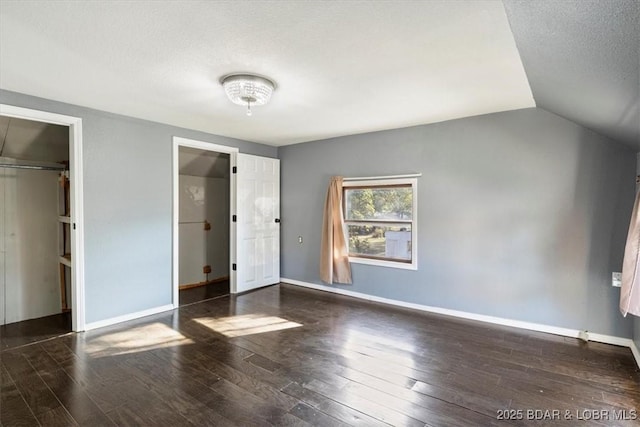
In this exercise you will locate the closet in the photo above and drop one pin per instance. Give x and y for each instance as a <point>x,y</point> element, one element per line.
<point>203,225</point>
<point>35,256</point>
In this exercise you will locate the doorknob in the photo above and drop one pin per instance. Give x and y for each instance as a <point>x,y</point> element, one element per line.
<point>278,220</point>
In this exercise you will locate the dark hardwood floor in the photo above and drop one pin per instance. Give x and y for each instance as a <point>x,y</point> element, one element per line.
<point>34,330</point>
<point>291,356</point>
<point>204,292</point>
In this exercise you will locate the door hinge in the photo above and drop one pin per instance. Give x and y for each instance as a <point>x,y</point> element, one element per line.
<point>234,218</point>
<point>233,267</point>
<point>234,169</point>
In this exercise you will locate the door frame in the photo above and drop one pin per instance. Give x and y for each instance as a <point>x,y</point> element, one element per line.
<point>175,263</point>
<point>76,200</point>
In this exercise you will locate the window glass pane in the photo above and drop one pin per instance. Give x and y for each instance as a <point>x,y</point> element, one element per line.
<point>391,242</point>
<point>378,203</point>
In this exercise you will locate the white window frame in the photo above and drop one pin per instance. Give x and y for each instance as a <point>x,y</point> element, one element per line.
<point>413,265</point>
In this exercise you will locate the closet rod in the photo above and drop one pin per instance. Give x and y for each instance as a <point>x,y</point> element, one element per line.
<point>33,167</point>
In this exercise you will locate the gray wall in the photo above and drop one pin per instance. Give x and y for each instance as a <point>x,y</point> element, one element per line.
<point>127,205</point>
<point>522,215</point>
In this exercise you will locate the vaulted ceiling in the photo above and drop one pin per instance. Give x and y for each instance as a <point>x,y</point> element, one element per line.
<point>211,164</point>
<point>341,67</point>
<point>582,61</point>
<point>33,141</point>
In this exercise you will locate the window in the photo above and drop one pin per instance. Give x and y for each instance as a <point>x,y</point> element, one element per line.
<point>380,221</point>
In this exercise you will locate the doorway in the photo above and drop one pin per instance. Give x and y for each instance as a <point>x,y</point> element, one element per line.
<point>203,224</point>
<point>42,287</point>
<point>254,218</point>
<point>203,231</point>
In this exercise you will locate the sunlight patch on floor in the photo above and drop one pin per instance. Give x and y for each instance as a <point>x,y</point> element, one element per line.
<point>248,324</point>
<point>361,346</point>
<point>135,340</point>
<point>387,340</point>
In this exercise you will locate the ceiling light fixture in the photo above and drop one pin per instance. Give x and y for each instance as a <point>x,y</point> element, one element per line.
<point>247,89</point>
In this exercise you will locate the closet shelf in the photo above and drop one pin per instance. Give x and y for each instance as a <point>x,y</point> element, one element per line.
<point>66,260</point>
<point>64,225</point>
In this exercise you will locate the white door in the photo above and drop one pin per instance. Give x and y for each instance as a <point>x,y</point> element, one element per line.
<point>258,222</point>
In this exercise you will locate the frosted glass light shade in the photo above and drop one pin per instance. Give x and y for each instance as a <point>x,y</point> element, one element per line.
<point>247,89</point>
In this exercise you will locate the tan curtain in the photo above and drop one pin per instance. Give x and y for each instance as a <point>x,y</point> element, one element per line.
<point>630,291</point>
<point>334,254</point>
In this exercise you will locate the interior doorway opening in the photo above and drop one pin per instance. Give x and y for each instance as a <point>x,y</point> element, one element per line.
<point>203,224</point>
<point>41,250</point>
<point>203,230</point>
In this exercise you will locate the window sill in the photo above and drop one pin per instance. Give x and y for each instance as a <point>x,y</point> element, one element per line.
<point>383,263</point>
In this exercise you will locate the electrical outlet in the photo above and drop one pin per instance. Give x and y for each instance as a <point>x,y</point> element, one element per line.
<point>616,279</point>
<point>300,239</point>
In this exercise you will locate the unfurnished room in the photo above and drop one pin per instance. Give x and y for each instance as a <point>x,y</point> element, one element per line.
<point>320,213</point>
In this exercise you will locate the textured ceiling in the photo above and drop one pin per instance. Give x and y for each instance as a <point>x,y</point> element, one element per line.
<point>581,59</point>
<point>342,67</point>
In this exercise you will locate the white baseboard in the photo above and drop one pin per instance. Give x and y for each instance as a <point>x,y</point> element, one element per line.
<point>127,317</point>
<point>573,333</point>
<point>636,352</point>
<point>610,339</point>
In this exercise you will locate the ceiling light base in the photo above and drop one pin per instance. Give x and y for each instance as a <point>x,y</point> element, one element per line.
<point>247,89</point>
